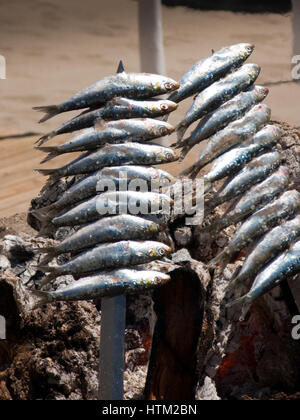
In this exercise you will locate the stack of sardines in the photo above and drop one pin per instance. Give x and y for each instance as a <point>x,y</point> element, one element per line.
<point>241,144</point>
<point>118,228</point>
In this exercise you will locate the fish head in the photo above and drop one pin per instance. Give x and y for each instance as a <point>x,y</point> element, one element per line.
<point>291,199</point>
<point>246,48</point>
<point>167,106</point>
<point>158,84</point>
<point>261,92</point>
<point>159,250</point>
<point>296,196</point>
<point>263,108</point>
<point>271,131</point>
<point>161,278</point>
<point>170,85</point>
<point>276,132</point>
<point>170,155</point>
<point>160,128</point>
<point>268,135</point>
<point>253,69</point>
<point>156,278</point>
<point>283,171</point>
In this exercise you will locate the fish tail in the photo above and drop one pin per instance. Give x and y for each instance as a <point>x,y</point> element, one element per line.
<point>39,299</point>
<point>183,153</point>
<point>46,280</point>
<point>43,215</point>
<point>45,138</point>
<point>47,259</point>
<point>212,204</point>
<point>47,172</point>
<point>182,143</point>
<point>52,150</point>
<point>210,229</point>
<point>53,273</point>
<point>192,172</point>
<point>181,129</point>
<point>220,260</point>
<point>215,227</point>
<point>245,301</point>
<point>233,283</point>
<point>50,111</point>
<point>50,250</point>
<point>46,268</point>
<point>207,185</point>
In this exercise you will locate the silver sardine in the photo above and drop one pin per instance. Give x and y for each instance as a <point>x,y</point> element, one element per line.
<point>274,242</point>
<point>87,187</point>
<point>207,71</point>
<point>255,171</point>
<point>258,224</point>
<point>115,155</point>
<point>257,197</point>
<point>214,96</point>
<point>109,229</point>
<point>235,159</point>
<point>235,133</point>
<point>116,109</point>
<point>282,268</point>
<point>129,85</point>
<point>113,203</point>
<point>111,255</point>
<point>120,131</point>
<point>226,113</point>
<point>102,284</point>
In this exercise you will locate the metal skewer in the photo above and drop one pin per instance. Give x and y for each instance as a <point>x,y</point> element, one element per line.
<point>112,339</point>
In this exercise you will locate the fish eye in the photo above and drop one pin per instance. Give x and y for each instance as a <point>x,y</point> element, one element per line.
<point>161,251</point>
<point>163,131</point>
<point>169,155</point>
<point>164,107</point>
<point>168,86</point>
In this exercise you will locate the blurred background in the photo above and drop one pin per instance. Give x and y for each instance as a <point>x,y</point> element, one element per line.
<point>54,48</point>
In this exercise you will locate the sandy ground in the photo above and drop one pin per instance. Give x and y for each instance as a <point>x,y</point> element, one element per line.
<point>53,48</point>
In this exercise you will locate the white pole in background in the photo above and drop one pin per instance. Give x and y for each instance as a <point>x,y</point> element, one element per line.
<point>296,27</point>
<point>151,41</point>
<point>151,37</point>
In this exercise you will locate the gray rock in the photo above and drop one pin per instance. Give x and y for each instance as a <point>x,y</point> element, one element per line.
<point>208,391</point>
<point>183,236</point>
<point>4,263</point>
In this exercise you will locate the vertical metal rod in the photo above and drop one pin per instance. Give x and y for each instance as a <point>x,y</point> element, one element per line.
<point>296,27</point>
<point>151,37</point>
<point>113,315</point>
<point>112,340</point>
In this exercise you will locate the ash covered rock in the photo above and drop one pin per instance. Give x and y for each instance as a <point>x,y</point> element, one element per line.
<point>22,257</point>
<point>183,236</point>
<point>50,353</point>
<point>49,194</point>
